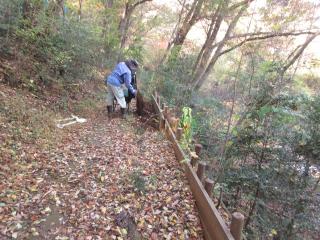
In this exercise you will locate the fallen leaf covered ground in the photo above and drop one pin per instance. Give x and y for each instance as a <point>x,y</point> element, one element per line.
<point>102,180</point>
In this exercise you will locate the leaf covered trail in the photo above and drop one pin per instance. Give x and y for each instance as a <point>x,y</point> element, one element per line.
<point>104,180</point>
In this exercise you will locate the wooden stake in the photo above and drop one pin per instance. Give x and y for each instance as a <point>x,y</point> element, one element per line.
<point>197,149</point>
<point>237,225</point>
<point>220,198</point>
<point>139,103</point>
<point>165,111</point>
<point>201,169</point>
<point>194,160</point>
<point>162,123</point>
<point>208,185</point>
<point>179,134</point>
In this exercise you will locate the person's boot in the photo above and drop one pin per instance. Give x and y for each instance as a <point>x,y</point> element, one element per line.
<point>109,110</point>
<point>123,113</point>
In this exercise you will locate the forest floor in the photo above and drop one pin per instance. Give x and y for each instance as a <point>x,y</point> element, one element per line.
<point>103,179</point>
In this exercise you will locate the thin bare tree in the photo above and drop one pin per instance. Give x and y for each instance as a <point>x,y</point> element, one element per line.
<point>124,24</point>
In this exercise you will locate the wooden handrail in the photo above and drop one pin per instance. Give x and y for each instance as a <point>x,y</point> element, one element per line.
<point>213,225</point>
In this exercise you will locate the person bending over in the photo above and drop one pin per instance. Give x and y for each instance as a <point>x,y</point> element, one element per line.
<point>121,76</point>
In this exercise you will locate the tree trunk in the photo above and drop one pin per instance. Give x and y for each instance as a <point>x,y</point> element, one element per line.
<point>251,76</point>
<point>207,51</point>
<point>107,18</point>
<point>253,206</point>
<point>207,47</point>
<point>25,9</point>
<point>109,3</point>
<point>174,32</point>
<point>59,8</point>
<point>140,104</point>
<point>227,136</point>
<point>124,25</point>
<point>80,10</point>
<point>189,21</point>
<point>202,75</point>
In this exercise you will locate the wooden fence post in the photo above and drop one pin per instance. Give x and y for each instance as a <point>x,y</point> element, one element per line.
<point>237,225</point>
<point>179,134</point>
<point>208,186</point>
<point>197,149</point>
<point>161,123</point>
<point>139,103</point>
<point>175,124</point>
<point>165,111</point>
<point>194,160</point>
<point>201,169</point>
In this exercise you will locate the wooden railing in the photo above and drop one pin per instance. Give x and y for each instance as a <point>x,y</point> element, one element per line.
<point>213,225</point>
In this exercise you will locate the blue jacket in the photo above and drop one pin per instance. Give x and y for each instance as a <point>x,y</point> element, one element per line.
<point>121,75</point>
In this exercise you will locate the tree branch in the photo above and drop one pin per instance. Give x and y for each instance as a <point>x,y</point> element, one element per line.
<point>138,3</point>
<point>202,76</point>
<point>270,35</point>
<point>240,4</point>
<point>300,51</point>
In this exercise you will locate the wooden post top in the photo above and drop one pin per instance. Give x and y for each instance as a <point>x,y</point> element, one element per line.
<point>237,225</point>
<point>208,186</point>
<point>238,216</point>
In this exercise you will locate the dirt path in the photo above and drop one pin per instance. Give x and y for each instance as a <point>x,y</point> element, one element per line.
<point>104,180</point>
